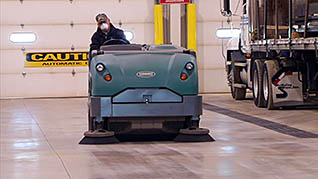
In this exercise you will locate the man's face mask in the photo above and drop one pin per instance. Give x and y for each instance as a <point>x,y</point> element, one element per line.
<point>104,27</point>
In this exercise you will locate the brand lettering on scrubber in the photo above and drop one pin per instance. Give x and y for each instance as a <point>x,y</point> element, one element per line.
<point>145,74</point>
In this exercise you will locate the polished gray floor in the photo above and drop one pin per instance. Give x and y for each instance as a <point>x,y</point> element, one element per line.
<point>39,139</point>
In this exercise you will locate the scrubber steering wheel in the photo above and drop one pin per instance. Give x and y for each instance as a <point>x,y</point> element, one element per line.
<point>116,42</point>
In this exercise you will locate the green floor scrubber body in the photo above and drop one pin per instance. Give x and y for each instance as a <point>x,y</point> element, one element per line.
<point>145,83</point>
<point>135,88</point>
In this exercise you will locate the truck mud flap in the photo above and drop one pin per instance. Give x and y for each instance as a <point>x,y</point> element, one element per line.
<point>287,90</point>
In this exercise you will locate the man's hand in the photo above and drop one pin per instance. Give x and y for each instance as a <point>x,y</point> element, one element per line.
<point>94,52</point>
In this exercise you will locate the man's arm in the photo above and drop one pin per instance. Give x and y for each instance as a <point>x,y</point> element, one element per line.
<point>95,43</point>
<point>122,36</point>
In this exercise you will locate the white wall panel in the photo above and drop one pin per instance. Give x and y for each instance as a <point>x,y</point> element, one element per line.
<point>12,62</point>
<point>206,32</point>
<point>53,37</point>
<point>50,20</point>
<point>43,85</point>
<point>209,10</point>
<point>80,11</point>
<point>212,75</point>
<point>209,57</point>
<point>212,79</point>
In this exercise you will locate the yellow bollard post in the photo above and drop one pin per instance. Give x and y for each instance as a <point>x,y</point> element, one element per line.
<point>192,27</point>
<point>158,18</point>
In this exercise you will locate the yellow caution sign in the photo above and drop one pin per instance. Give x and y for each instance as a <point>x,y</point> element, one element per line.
<point>55,59</point>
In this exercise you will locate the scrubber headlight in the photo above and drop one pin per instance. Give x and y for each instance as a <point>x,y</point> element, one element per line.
<point>189,66</point>
<point>100,67</point>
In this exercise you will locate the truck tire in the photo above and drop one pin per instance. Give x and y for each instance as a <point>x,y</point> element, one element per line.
<point>270,68</point>
<point>237,93</point>
<point>257,83</point>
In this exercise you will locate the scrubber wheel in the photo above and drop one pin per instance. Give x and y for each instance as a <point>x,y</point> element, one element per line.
<point>99,137</point>
<point>194,135</point>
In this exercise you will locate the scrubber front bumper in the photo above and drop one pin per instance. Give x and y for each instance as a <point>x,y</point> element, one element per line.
<point>104,107</point>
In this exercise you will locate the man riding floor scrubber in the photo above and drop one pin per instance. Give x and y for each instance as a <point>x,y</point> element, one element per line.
<point>143,89</point>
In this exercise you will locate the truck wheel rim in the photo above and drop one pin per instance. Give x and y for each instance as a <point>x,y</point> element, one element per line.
<point>231,76</point>
<point>255,84</point>
<point>231,82</point>
<point>265,86</point>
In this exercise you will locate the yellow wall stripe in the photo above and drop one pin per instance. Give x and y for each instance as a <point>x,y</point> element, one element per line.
<point>158,15</point>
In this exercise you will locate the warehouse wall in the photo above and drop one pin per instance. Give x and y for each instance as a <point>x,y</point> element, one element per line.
<point>51,19</point>
<point>211,63</point>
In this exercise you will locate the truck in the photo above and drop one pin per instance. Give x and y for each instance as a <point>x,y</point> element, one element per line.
<point>274,53</point>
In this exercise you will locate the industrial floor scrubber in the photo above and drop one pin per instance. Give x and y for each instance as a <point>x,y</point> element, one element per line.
<point>143,89</point>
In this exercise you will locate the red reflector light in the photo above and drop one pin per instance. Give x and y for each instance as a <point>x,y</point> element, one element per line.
<point>183,76</point>
<point>276,82</point>
<point>108,77</point>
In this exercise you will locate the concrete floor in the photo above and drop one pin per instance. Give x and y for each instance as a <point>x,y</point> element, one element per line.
<point>39,139</point>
